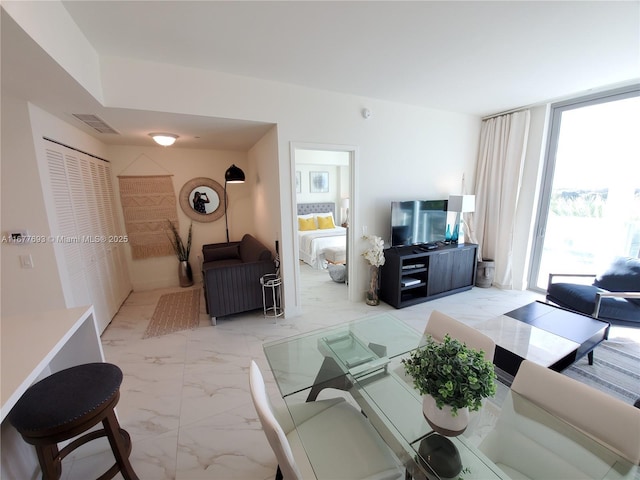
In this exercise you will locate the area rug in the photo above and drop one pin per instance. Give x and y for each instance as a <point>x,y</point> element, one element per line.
<point>615,369</point>
<point>175,312</point>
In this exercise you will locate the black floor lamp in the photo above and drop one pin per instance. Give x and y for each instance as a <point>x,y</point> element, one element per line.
<point>232,175</point>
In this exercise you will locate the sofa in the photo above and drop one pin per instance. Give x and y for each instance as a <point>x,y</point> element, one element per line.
<point>614,295</point>
<point>231,274</point>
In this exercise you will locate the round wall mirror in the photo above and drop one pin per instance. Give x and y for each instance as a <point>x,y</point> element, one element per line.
<point>202,199</point>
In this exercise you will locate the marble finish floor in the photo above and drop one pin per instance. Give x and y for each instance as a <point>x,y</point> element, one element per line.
<point>185,397</point>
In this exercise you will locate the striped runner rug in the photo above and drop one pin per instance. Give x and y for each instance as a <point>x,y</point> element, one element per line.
<point>615,369</point>
<point>175,312</point>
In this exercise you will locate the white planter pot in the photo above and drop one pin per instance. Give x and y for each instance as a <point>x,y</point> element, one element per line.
<point>441,420</point>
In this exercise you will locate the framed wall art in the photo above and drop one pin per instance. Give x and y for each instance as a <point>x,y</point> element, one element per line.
<point>201,199</point>
<point>318,182</point>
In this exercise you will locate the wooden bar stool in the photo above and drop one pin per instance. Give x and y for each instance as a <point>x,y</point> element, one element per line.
<point>66,404</point>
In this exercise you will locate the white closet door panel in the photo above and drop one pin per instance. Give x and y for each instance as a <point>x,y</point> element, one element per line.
<point>73,243</point>
<point>107,281</point>
<point>65,220</point>
<point>80,291</point>
<point>94,284</point>
<point>101,246</point>
<point>107,199</point>
<point>93,270</point>
<point>118,228</point>
<point>124,282</point>
<point>98,216</point>
<point>63,228</point>
<point>84,207</point>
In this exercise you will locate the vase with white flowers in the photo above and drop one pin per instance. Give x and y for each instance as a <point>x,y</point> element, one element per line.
<point>375,256</point>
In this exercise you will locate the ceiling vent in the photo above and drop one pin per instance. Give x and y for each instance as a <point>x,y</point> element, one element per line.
<point>95,122</point>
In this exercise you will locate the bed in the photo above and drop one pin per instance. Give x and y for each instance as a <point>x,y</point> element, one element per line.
<point>312,243</point>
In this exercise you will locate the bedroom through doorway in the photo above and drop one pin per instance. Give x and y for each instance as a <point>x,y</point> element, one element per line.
<point>323,189</point>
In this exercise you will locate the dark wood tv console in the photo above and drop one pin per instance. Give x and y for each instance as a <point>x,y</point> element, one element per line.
<point>413,275</point>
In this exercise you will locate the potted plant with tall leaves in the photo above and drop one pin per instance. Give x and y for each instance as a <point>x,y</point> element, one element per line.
<point>454,380</point>
<point>182,251</point>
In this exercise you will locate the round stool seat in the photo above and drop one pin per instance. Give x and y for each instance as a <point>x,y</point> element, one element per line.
<point>64,397</point>
<point>66,404</point>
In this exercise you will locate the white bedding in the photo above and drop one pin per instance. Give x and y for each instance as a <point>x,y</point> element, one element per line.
<point>313,242</point>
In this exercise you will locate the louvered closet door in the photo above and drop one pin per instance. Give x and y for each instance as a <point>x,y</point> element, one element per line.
<point>64,175</point>
<point>117,270</point>
<point>92,268</point>
<point>86,211</point>
<point>123,284</point>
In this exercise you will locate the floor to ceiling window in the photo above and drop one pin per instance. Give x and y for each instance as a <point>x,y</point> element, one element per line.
<point>590,203</point>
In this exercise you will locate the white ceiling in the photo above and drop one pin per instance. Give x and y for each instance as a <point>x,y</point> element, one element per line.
<point>471,57</point>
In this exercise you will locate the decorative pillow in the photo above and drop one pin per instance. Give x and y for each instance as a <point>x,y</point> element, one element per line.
<point>325,222</point>
<point>220,253</point>
<point>307,216</point>
<point>623,275</point>
<point>323,214</point>
<point>305,224</point>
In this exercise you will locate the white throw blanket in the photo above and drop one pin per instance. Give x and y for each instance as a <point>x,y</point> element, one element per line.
<point>312,244</point>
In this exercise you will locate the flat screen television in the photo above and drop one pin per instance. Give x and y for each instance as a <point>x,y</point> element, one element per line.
<point>418,221</point>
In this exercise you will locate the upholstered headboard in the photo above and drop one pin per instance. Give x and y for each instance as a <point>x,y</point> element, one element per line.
<point>305,208</point>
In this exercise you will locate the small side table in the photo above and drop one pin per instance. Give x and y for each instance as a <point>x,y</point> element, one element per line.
<point>272,281</point>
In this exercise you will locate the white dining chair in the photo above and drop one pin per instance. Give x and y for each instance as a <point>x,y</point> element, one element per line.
<point>440,324</point>
<point>339,439</point>
<point>552,426</point>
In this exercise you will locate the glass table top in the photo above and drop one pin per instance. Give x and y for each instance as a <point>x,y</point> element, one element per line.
<point>368,353</point>
<point>356,346</point>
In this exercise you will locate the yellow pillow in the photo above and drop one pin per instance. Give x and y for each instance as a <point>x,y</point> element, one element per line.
<point>326,223</point>
<point>306,224</point>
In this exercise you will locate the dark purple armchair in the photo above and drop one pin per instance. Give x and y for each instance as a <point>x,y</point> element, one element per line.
<point>231,275</point>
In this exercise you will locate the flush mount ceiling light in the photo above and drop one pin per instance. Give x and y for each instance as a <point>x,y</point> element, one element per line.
<point>164,139</point>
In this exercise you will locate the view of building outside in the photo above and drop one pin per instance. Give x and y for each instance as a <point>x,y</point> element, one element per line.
<point>594,212</point>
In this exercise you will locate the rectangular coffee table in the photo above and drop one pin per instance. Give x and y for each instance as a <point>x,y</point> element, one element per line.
<point>545,334</point>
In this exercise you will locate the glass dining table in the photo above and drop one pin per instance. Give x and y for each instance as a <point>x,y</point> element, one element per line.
<point>363,358</point>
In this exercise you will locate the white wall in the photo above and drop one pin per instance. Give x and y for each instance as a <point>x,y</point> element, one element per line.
<point>23,207</point>
<point>185,164</point>
<point>333,193</point>
<point>403,151</point>
<point>266,189</point>
<point>51,26</point>
<point>23,127</point>
<point>336,164</point>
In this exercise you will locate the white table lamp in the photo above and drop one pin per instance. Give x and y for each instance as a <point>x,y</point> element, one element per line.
<point>461,204</point>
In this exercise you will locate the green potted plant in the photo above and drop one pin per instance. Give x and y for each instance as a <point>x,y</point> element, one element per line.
<point>182,252</point>
<point>453,379</point>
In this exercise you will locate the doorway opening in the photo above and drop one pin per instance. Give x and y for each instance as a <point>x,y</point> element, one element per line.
<point>323,174</point>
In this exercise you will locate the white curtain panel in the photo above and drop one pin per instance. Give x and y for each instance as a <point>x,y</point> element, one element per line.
<point>503,143</point>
